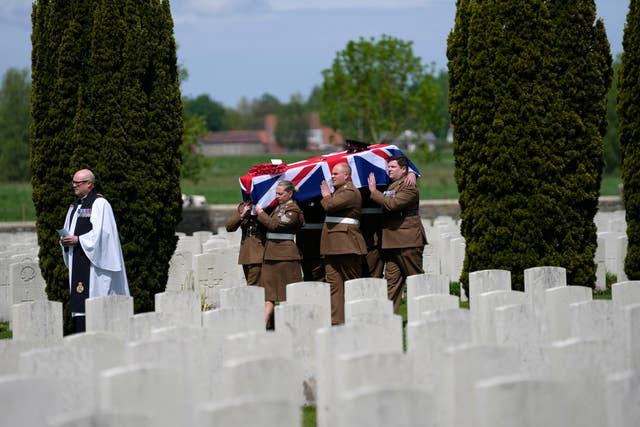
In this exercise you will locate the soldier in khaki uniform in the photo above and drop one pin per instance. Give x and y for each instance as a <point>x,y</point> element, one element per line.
<point>341,243</point>
<point>251,244</point>
<point>403,236</point>
<point>281,263</point>
<point>371,228</point>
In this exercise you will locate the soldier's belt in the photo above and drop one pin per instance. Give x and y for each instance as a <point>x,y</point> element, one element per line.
<point>369,211</point>
<point>280,236</point>
<point>312,226</point>
<point>341,220</point>
<point>410,212</point>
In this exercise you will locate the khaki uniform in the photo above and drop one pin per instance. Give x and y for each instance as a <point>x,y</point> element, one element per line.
<point>403,236</point>
<point>308,240</point>
<point>281,263</point>
<point>251,245</point>
<point>342,244</point>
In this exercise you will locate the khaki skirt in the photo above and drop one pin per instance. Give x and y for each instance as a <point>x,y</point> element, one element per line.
<point>276,275</point>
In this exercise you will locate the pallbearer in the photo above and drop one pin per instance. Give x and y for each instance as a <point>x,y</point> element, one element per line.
<point>341,244</point>
<point>281,264</point>
<point>403,236</point>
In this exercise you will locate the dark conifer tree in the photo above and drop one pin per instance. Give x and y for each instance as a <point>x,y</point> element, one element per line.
<point>629,130</point>
<point>105,96</point>
<point>509,113</point>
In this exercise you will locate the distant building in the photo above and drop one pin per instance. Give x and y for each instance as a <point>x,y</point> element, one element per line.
<point>412,141</point>
<point>246,142</point>
<point>322,138</point>
<point>242,142</point>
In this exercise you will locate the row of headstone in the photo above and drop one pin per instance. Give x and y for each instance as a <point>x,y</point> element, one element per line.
<point>446,249</point>
<point>205,263</point>
<point>547,356</point>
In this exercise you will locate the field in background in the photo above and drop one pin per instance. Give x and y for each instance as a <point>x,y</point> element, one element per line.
<point>221,183</point>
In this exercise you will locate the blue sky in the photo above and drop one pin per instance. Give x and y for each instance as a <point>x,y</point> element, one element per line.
<point>244,48</point>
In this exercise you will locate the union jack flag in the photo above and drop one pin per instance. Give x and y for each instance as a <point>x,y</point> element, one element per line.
<point>259,185</point>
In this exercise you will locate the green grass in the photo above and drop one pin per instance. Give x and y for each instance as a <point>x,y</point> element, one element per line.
<point>15,202</point>
<point>309,416</point>
<point>5,332</point>
<point>221,183</point>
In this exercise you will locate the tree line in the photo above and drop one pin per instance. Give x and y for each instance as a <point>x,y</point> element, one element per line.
<point>203,114</point>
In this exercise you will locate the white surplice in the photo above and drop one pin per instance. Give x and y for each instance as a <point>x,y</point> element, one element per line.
<point>107,274</point>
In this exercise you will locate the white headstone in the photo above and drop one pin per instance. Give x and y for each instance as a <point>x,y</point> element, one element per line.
<point>464,366</point>
<point>516,326</point>
<point>109,314</point>
<point>153,392</point>
<point>386,406</point>
<point>483,309</point>
<point>221,322</point>
<point>557,313</point>
<point>70,369</point>
<point>258,378</point>
<point>318,293</point>
<point>536,281</point>
<point>339,340</point>
<point>365,288</point>
<point>518,401</point>
<point>141,324</point>
<point>623,399</point>
<point>424,303</point>
<point>427,343</point>
<point>185,307</point>
<point>356,309</point>
<point>106,350</point>
<point>580,366</point>
<point>28,401</point>
<point>26,282</point>
<point>263,343</point>
<point>37,321</point>
<point>181,271</point>
<point>626,293</point>
<point>99,419</point>
<point>300,322</point>
<point>486,281</point>
<point>244,412</point>
<point>250,297</point>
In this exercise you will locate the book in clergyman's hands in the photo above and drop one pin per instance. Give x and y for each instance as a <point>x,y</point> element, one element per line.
<point>63,232</point>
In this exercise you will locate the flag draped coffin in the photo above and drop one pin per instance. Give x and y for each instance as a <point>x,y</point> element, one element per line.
<point>259,185</point>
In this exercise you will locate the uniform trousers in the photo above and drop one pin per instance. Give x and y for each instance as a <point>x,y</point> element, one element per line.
<point>374,266</point>
<point>312,269</point>
<point>252,273</point>
<point>400,263</point>
<point>340,268</point>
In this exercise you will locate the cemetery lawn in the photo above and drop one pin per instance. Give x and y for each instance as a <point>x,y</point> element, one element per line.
<point>220,185</point>
<point>309,416</point>
<point>15,202</point>
<point>5,332</point>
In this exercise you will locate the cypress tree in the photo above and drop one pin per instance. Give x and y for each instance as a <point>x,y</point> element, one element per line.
<point>106,97</point>
<point>629,131</point>
<point>509,114</point>
<point>581,75</point>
